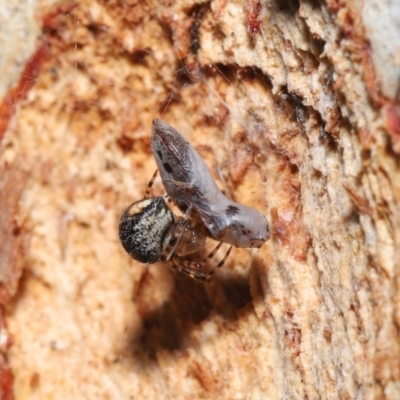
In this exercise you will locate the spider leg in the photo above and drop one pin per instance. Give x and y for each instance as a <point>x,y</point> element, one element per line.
<point>169,200</point>
<point>147,194</point>
<point>187,213</point>
<point>186,267</point>
<point>219,265</point>
<point>179,229</point>
<point>211,255</point>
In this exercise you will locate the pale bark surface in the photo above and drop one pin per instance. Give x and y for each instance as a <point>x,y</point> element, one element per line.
<point>293,106</point>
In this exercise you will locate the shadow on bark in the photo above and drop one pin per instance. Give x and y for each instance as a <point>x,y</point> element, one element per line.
<point>191,303</point>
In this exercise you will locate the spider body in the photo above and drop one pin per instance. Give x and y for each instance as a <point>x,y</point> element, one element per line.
<point>150,232</point>
<point>146,229</point>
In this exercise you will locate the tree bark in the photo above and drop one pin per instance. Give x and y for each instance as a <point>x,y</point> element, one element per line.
<point>294,105</point>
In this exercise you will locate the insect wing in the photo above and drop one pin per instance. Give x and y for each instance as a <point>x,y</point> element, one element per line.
<point>188,181</point>
<point>184,174</point>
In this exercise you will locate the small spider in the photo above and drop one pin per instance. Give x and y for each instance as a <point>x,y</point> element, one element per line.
<point>150,232</point>
<point>190,185</point>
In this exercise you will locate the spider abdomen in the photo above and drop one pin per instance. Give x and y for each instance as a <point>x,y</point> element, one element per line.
<point>145,229</point>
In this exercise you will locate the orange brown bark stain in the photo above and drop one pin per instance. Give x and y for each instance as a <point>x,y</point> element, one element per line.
<point>203,375</point>
<point>371,80</point>
<point>392,124</point>
<point>327,334</point>
<point>6,375</point>
<point>242,157</point>
<point>51,18</point>
<point>293,335</point>
<point>286,221</point>
<point>358,199</point>
<point>334,122</point>
<point>335,5</point>
<point>14,238</point>
<point>28,79</point>
<point>34,380</point>
<point>128,14</point>
<point>348,22</point>
<point>180,29</point>
<point>252,12</point>
<point>6,381</point>
<point>14,234</point>
<point>366,138</point>
<point>32,68</point>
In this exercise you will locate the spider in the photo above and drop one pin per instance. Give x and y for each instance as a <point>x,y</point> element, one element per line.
<point>150,232</point>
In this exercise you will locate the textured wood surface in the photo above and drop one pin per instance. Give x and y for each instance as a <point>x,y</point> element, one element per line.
<point>293,105</point>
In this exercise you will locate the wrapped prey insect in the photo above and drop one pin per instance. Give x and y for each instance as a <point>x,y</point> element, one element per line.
<point>190,185</point>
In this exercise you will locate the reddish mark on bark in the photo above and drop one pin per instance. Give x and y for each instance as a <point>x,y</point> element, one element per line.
<point>252,11</point>
<point>266,314</point>
<point>125,143</point>
<point>328,335</point>
<point>358,199</point>
<point>6,375</point>
<point>35,380</point>
<point>290,314</point>
<point>180,29</point>
<point>31,70</point>
<point>14,235</point>
<point>204,376</point>
<point>286,221</point>
<point>392,124</point>
<point>242,157</point>
<point>334,120</point>
<point>371,80</point>
<point>366,139</point>
<point>6,382</point>
<point>51,19</point>
<point>4,295</point>
<point>27,80</point>
<point>348,20</point>
<point>335,5</point>
<point>292,333</point>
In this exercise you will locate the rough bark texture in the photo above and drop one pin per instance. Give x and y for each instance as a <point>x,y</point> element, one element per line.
<point>293,106</point>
